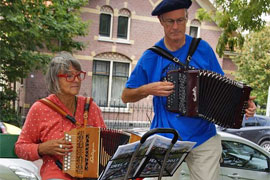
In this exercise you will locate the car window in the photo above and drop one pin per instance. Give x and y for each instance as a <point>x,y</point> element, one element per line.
<point>238,155</point>
<point>261,121</point>
<point>250,122</point>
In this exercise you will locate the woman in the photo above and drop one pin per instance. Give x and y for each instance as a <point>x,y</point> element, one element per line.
<point>43,131</point>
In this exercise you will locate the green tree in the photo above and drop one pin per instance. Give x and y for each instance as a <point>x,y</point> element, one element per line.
<point>28,28</point>
<point>253,62</point>
<point>235,17</point>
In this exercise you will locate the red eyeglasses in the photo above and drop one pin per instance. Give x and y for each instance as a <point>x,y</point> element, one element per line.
<point>71,77</point>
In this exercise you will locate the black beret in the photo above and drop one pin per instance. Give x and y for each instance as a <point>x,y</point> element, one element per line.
<point>170,5</point>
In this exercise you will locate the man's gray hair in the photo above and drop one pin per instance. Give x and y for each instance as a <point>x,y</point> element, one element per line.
<point>59,64</point>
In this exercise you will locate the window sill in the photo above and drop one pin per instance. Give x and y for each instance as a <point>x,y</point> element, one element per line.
<point>123,41</point>
<point>106,39</point>
<point>120,41</point>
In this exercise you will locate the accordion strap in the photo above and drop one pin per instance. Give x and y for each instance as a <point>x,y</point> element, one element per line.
<point>166,54</point>
<point>56,108</point>
<point>87,104</point>
<point>193,46</point>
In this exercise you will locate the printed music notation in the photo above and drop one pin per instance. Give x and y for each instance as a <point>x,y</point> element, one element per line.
<point>149,159</point>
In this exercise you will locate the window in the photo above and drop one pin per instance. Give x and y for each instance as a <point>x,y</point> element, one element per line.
<point>109,79</point>
<point>123,24</point>
<point>122,30</point>
<point>238,155</point>
<point>105,22</point>
<point>194,29</point>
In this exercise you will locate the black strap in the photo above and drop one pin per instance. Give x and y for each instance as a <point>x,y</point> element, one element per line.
<point>193,46</point>
<point>166,54</point>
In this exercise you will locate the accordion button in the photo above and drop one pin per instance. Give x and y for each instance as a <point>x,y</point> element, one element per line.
<point>68,167</point>
<point>65,169</point>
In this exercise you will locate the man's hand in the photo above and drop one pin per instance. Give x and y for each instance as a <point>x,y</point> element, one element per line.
<point>250,111</point>
<point>157,89</point>
<point>164,88</point>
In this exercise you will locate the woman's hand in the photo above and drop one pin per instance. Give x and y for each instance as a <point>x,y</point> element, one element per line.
<point>55,147</point>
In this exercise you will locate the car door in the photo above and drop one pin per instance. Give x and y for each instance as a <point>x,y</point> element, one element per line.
<point>243,162</point>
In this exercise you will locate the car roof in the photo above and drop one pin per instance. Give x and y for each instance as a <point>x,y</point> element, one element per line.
<point>11,129</point>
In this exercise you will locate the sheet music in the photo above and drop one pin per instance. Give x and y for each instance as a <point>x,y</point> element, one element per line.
<point>150,154</point>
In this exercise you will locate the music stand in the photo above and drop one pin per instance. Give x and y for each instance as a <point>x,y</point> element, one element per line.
<point>142,162</point>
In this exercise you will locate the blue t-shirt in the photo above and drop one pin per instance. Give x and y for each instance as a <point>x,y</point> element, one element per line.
<point>152,67</point>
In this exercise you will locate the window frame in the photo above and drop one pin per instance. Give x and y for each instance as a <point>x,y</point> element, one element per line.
<point>110,108</point>
<point>198,30</point>
<point>128,28</point>
<point>111,26</point>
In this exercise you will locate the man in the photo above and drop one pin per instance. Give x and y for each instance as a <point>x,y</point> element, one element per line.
<point>146,79</point>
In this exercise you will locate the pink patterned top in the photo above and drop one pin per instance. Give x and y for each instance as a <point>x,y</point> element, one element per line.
<point>43,124</point>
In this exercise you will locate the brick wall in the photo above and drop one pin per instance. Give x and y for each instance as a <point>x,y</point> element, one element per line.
<point>145,30</point>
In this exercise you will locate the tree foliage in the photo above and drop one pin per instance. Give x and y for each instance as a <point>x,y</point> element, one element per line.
<point>253,62</point>
<point>234,17</point>
<point>29,27</point>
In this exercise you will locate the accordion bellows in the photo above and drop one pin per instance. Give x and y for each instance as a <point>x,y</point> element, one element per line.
<point>206,94</point>
<point>92,149</point>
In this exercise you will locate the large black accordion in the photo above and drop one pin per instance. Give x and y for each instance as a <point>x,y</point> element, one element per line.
<point>206,94</point>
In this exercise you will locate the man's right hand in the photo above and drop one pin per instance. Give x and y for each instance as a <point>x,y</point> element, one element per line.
<point>164,88</point>
<point>156,89</point>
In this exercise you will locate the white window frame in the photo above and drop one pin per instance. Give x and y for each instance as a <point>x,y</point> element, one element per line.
<point>105,38</point>
<point>109,108</point>
<point>128,28</point>
<point>198,30</point>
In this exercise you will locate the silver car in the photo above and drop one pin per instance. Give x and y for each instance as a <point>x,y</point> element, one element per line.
<point>18,169</point>
<point>12,167</point>
<point>241,159</point>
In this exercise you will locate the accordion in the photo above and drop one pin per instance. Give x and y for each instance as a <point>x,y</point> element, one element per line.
<point>92,149</point>
<point>206,94</point>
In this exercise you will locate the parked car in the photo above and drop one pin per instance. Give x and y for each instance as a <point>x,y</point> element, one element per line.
<point>18,169</point>
<point>255,129</point>
<point>9,128</point>
<point>12,167</point>
<point>241,159</point>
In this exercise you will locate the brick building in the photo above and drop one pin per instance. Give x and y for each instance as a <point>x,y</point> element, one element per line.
<point>119,32</point>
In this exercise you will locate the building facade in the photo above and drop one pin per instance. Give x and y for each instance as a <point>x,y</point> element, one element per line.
<point>119,32</point>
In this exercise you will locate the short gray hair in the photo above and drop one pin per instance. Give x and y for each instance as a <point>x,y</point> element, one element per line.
<point>59,63</point>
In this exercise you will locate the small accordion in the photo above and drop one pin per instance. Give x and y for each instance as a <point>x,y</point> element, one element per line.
<point>209,95</point>
<point>92,149</point>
